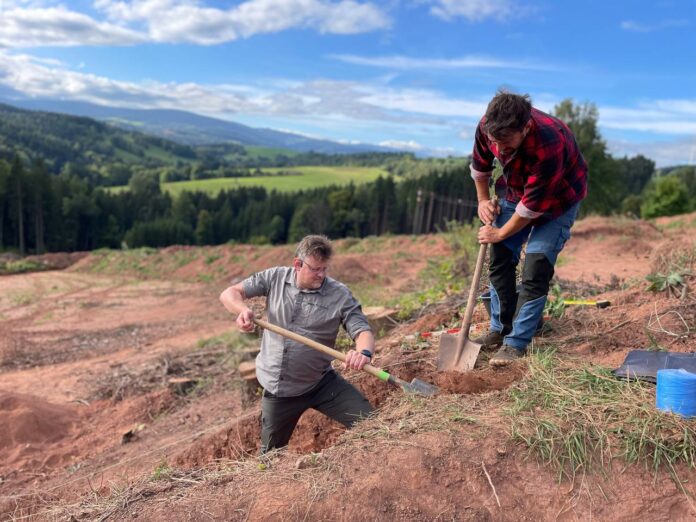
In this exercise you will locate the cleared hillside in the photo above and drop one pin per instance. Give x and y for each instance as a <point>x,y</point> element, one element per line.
<point>554,437</point>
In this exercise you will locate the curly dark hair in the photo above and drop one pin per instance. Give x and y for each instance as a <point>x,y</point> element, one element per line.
<point>507,113</point>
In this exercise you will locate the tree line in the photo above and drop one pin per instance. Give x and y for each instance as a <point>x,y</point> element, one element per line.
<point>42,212</point>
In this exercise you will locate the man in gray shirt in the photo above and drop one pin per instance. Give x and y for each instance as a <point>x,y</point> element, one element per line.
<point>302,299</point>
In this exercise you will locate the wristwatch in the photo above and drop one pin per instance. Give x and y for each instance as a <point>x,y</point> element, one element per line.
<point>367,353</point>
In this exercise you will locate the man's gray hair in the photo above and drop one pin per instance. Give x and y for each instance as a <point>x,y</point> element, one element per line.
<point>316,246</point>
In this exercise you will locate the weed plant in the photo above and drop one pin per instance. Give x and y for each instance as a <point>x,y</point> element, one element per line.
<point>21,266</point>
<point>445,277</point>
<point>581,419</point>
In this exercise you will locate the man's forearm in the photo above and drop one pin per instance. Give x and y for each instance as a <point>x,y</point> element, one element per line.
<point>482,191</point>
<point>233,300</point>
<point>514,225</point>
<point>365,341</point>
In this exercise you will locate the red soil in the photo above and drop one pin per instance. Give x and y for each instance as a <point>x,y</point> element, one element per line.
<point>85,358</point>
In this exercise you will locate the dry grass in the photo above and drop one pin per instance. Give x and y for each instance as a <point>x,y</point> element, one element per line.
<point>578,419</point>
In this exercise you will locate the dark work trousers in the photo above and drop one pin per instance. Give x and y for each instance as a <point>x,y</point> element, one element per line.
<point>333,396</point>
<point>517,316</point>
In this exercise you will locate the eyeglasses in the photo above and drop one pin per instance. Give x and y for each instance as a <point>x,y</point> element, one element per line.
<point>317,269</point>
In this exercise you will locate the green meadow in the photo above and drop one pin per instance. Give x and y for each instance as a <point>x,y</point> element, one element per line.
<point>305,178</point>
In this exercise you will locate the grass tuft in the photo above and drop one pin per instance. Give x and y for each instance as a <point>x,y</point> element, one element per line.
<point>581,419</point>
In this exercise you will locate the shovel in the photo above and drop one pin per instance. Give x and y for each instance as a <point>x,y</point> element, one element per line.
<point>458,352</point>
<point>415,386</point>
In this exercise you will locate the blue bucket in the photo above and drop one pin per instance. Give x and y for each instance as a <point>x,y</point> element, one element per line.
<point>676,392</point>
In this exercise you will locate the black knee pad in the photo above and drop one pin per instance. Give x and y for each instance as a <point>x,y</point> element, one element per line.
<point>536,277</point>
<point>502,273</point>
<point>502,259</point>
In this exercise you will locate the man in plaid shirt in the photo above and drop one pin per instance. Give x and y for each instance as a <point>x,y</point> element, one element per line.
<point>544,179</point>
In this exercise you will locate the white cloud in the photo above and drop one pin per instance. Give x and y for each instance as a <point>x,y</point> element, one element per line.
<point>473,10</point>
<point>327,104</point>
<point>676,117</point>
<point>188,21</point>
<point>422,101</point>
<point>663,153</point>
<point>631,25</point>
<point>466,62</point>
<point>56,26</point>
<point>33,78</point>
<point>33,24</point>
<point>403,145</point>
<point>468,133</point>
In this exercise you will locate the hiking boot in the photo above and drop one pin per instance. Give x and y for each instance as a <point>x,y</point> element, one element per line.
<point>490,341</point>
<point>506,355</point>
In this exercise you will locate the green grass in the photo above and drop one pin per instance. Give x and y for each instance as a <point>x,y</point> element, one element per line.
<point>578,419</point>
<point>21,266</point>
<point>307,178</point>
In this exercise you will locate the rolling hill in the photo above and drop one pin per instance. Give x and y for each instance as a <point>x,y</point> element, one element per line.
<point>60,139</point>
<point>192,129</point>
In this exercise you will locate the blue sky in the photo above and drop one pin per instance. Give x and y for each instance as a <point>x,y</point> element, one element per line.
<point>410,73</point>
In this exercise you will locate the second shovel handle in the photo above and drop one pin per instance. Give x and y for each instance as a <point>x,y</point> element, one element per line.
<point>372,370</point>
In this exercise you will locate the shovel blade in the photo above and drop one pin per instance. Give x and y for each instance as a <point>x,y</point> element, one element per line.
<point>421,388</point>
<point>452,358</point>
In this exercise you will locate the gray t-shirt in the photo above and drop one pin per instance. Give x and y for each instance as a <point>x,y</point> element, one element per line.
<point>285,367</point>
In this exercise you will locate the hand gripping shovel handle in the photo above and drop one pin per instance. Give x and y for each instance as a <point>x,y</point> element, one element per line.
<point>372,370</point>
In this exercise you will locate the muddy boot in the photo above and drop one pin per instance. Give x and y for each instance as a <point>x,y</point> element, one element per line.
<point>490,341</point>
<point>506,355</point>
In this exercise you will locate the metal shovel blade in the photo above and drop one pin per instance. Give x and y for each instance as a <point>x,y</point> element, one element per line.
<point>420,387</point>
<point>454,358</point>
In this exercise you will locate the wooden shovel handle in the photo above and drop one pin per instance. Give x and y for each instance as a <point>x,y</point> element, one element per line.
<point>471,302</point>
<point>372,370</point>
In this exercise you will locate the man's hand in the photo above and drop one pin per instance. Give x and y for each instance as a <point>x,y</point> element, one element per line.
<point>245,321</point>
<point>487,211</point>
<point>355,360</point>
<point>489,234</point>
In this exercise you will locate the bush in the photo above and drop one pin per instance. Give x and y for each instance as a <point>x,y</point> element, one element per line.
<point>159,233</point>
<point>665,197</point>
<point>631,205</point>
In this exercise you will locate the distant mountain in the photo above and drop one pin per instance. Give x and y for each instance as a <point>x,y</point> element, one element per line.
<point>192,129</point>
<point>61,139</point>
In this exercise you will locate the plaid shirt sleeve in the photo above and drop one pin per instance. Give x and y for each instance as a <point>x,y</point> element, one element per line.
<point>482,157</point>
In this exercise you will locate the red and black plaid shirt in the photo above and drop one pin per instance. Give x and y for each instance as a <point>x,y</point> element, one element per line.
<point>545,176</point>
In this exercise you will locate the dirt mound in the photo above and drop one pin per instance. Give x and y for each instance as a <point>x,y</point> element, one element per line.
<point>486,380</point>
<point>595,226</point>
<point>349,269</point>
<point>58,260</point>
<point>674,254</point>
<point>28,424</point>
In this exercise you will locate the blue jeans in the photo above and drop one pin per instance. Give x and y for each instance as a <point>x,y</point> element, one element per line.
<point>517,316</point>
